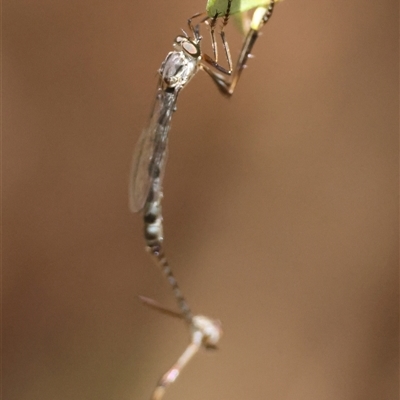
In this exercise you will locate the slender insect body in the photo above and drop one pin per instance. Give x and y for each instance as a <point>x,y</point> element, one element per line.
<point>176,71</point>
<point>149,159</point>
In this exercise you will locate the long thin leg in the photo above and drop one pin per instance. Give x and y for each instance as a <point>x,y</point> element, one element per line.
<point>212,22</point>
<point>206,57</point>
<point>227,86</point>
<point>173,373</point>
<point>205,333</point>
<point>195,28</point>
<point>155,305</point>
<point>222,34</point>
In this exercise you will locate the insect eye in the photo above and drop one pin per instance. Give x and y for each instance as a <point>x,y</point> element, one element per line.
<point>191,48</point>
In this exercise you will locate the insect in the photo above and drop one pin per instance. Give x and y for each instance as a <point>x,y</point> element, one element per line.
<point>150,156</point>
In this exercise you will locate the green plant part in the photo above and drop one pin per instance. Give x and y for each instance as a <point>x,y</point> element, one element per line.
<point>218,7</point>
<point>238,12</point>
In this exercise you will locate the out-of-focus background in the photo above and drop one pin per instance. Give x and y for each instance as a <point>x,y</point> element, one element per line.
<point>280,205</point>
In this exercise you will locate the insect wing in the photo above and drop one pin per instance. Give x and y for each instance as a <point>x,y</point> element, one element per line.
<point>139,181</point>
<point>150,154</point>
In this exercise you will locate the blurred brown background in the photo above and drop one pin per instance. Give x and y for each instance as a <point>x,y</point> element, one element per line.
<point>280,205</point>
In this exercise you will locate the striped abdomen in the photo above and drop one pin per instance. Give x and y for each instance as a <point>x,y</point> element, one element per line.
<point>153,232</point>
